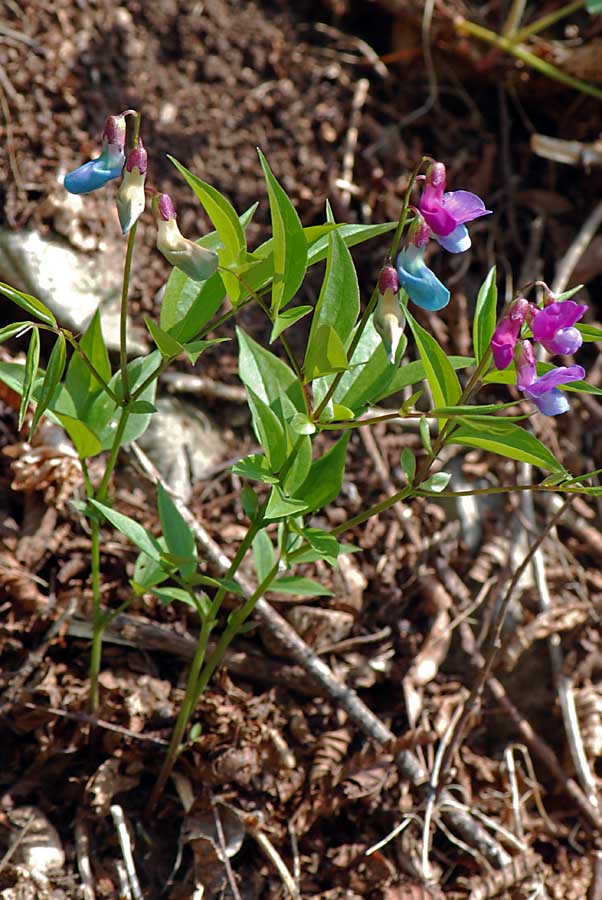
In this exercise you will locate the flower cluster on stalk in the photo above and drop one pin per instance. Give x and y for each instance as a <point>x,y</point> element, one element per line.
<point>196,262</point>
<point>553,326</point>
<point>443,216</point>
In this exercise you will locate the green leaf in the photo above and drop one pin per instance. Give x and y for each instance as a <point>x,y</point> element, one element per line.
<point>425,434</point>
<point>263,552</point>
<point>302,424</point>
<point>301,587</point>
<point>138,535</point>
<point>324,544</point>
<point>148,572</point>
<point>436,483</point>
<point>256,468</point>
<point>30,304</point>
<point>514,443</point>
<point>408,464</point>
<point>168,346</point>
<point>325,354</point>
<point>31,370</point>
<point>414,372</point>
<point>268,430</point>
<point>318,237</point>
<point>286,318</point>
<point>142,406</point>
<point>15,328</point>
<point>336,312</point>
<point>84,440</point>
<point>289,247</point>
<point>178,536</point>
<point>589,332</point>
<point>194,349</point>
<point>268,376</point>
<point>566,295</point>
<point>54,373</point>
<point>300,465</point>
<point>249,500</point>
<point>440,374</point>
<point>593,7</point>
<point>220,211</point>
<point>369,374</point>
<point>325,479</point>
<point>80,384</point>
<point>279,505</point>
<point>483,324</point>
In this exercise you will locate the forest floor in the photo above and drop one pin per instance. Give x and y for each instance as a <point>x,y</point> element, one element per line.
<point>277,759</point>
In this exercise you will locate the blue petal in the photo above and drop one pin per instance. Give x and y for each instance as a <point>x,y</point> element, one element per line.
<point>92,175</point>
<point>457,241</point>
<point>422,286</point>
<point>552,403</point>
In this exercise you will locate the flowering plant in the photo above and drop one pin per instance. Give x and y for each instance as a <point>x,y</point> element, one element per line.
<point>351,362</point>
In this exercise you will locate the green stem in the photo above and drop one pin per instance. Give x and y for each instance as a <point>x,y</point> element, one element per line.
<point>530,59</point>
<point>125,289</point>
<point>97,616</point>
<point>231,630</point>
<point>101,492</point>
<point>545,21</point>
<point>93,370</point>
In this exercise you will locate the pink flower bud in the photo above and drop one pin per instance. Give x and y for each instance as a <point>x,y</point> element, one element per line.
<point>388,280</point>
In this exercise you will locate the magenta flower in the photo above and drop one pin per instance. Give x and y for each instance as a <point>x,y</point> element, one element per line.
<point>543,391</point>
<point>506,334</point>
<point>553,327</point>
<point>446,213</point>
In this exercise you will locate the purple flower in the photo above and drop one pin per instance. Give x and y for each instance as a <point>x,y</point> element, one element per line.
<point>420,284</point>
<point>544,391</point>
<point>553,326</point>
<point>506,334</point>
<point>130,198</point>
<point>97,172</point>
<point>446,213</point>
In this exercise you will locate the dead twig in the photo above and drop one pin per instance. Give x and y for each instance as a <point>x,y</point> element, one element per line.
<point>82,852</point>
<point>359,98</point>
<point>123,836</point>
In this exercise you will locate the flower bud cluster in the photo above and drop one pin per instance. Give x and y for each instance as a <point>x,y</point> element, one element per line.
<point>553,326</point>
<point>195,261</point>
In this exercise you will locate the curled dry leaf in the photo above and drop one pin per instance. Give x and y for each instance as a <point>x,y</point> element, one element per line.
<point>560,618</point>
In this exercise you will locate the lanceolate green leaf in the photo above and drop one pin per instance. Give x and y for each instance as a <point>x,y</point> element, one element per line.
<point>286,318</point>
<point>131,529</point>
<point>302,587</point>
<point>80,384</point>
<point>30,304</point>
<point>414,372</point>
<point>54,373</point>
<point>84,440</point>
<point>179,539</point>
<point>324,481</point>
<point>338,304</point>
<point>267,375</point>
<point>220,211</point>
<point>263,551</point>
<point>290,246</point>
<point>167,344</point>
<point>440,374</point>
<point>514,443</point>
<point>31,369</point>
<point>485,314</point>
<point>268,430</point>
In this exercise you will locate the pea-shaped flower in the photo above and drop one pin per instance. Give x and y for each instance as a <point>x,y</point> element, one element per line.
<point>130,198</point>
<point>553,326</point>
<point>506,333</point>
<point>195,261</point>
<point>543,391</point>
<point>97,172</point>
<point>418,281</point>
<point>388,318</point>
<point>447,212</point>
